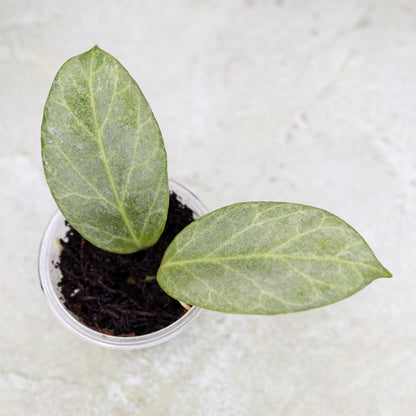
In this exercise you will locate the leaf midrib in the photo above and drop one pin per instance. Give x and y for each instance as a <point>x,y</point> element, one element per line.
<point>104,157</point>
<point>263,256</point>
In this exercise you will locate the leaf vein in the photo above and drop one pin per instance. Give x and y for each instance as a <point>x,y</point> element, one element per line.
<point>105,161</point>
<point>268,255</point>
<point>74,116</point>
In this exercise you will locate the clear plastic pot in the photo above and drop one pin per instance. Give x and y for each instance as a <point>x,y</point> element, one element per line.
<point>50,276</point>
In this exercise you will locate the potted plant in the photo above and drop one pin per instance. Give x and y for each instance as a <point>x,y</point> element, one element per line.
<point>105,164</point>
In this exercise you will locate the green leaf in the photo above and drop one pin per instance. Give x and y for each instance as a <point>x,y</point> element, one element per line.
<point>103,154</point>
<point>267,258</point>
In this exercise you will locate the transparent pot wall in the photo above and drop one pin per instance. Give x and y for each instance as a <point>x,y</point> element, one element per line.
<point>50,276</point>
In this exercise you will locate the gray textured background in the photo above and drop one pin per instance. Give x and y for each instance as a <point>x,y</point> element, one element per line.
<point>274,100</point>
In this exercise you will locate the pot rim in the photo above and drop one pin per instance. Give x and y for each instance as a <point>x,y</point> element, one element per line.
<point>46,268</point>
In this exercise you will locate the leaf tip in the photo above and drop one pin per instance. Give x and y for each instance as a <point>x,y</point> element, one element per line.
<point>384,273</point>
<point>387,274</point>
<point>94,50</point>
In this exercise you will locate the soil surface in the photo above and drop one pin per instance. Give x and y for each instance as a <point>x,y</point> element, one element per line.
<point>118,294</point>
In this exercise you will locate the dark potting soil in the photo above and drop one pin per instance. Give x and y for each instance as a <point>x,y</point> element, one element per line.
<point>118,294</point>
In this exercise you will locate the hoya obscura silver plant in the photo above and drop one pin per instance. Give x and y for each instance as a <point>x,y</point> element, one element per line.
<point>105,163</point>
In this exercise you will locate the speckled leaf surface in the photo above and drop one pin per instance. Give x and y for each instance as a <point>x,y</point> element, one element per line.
<point>103,154</point>
<point>267,258</point>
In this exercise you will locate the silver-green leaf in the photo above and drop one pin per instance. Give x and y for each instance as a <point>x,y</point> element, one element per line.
<point>103,154</point>
<point>267,258</point>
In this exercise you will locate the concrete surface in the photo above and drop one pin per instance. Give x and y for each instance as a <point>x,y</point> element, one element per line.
<point>310,102</point>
